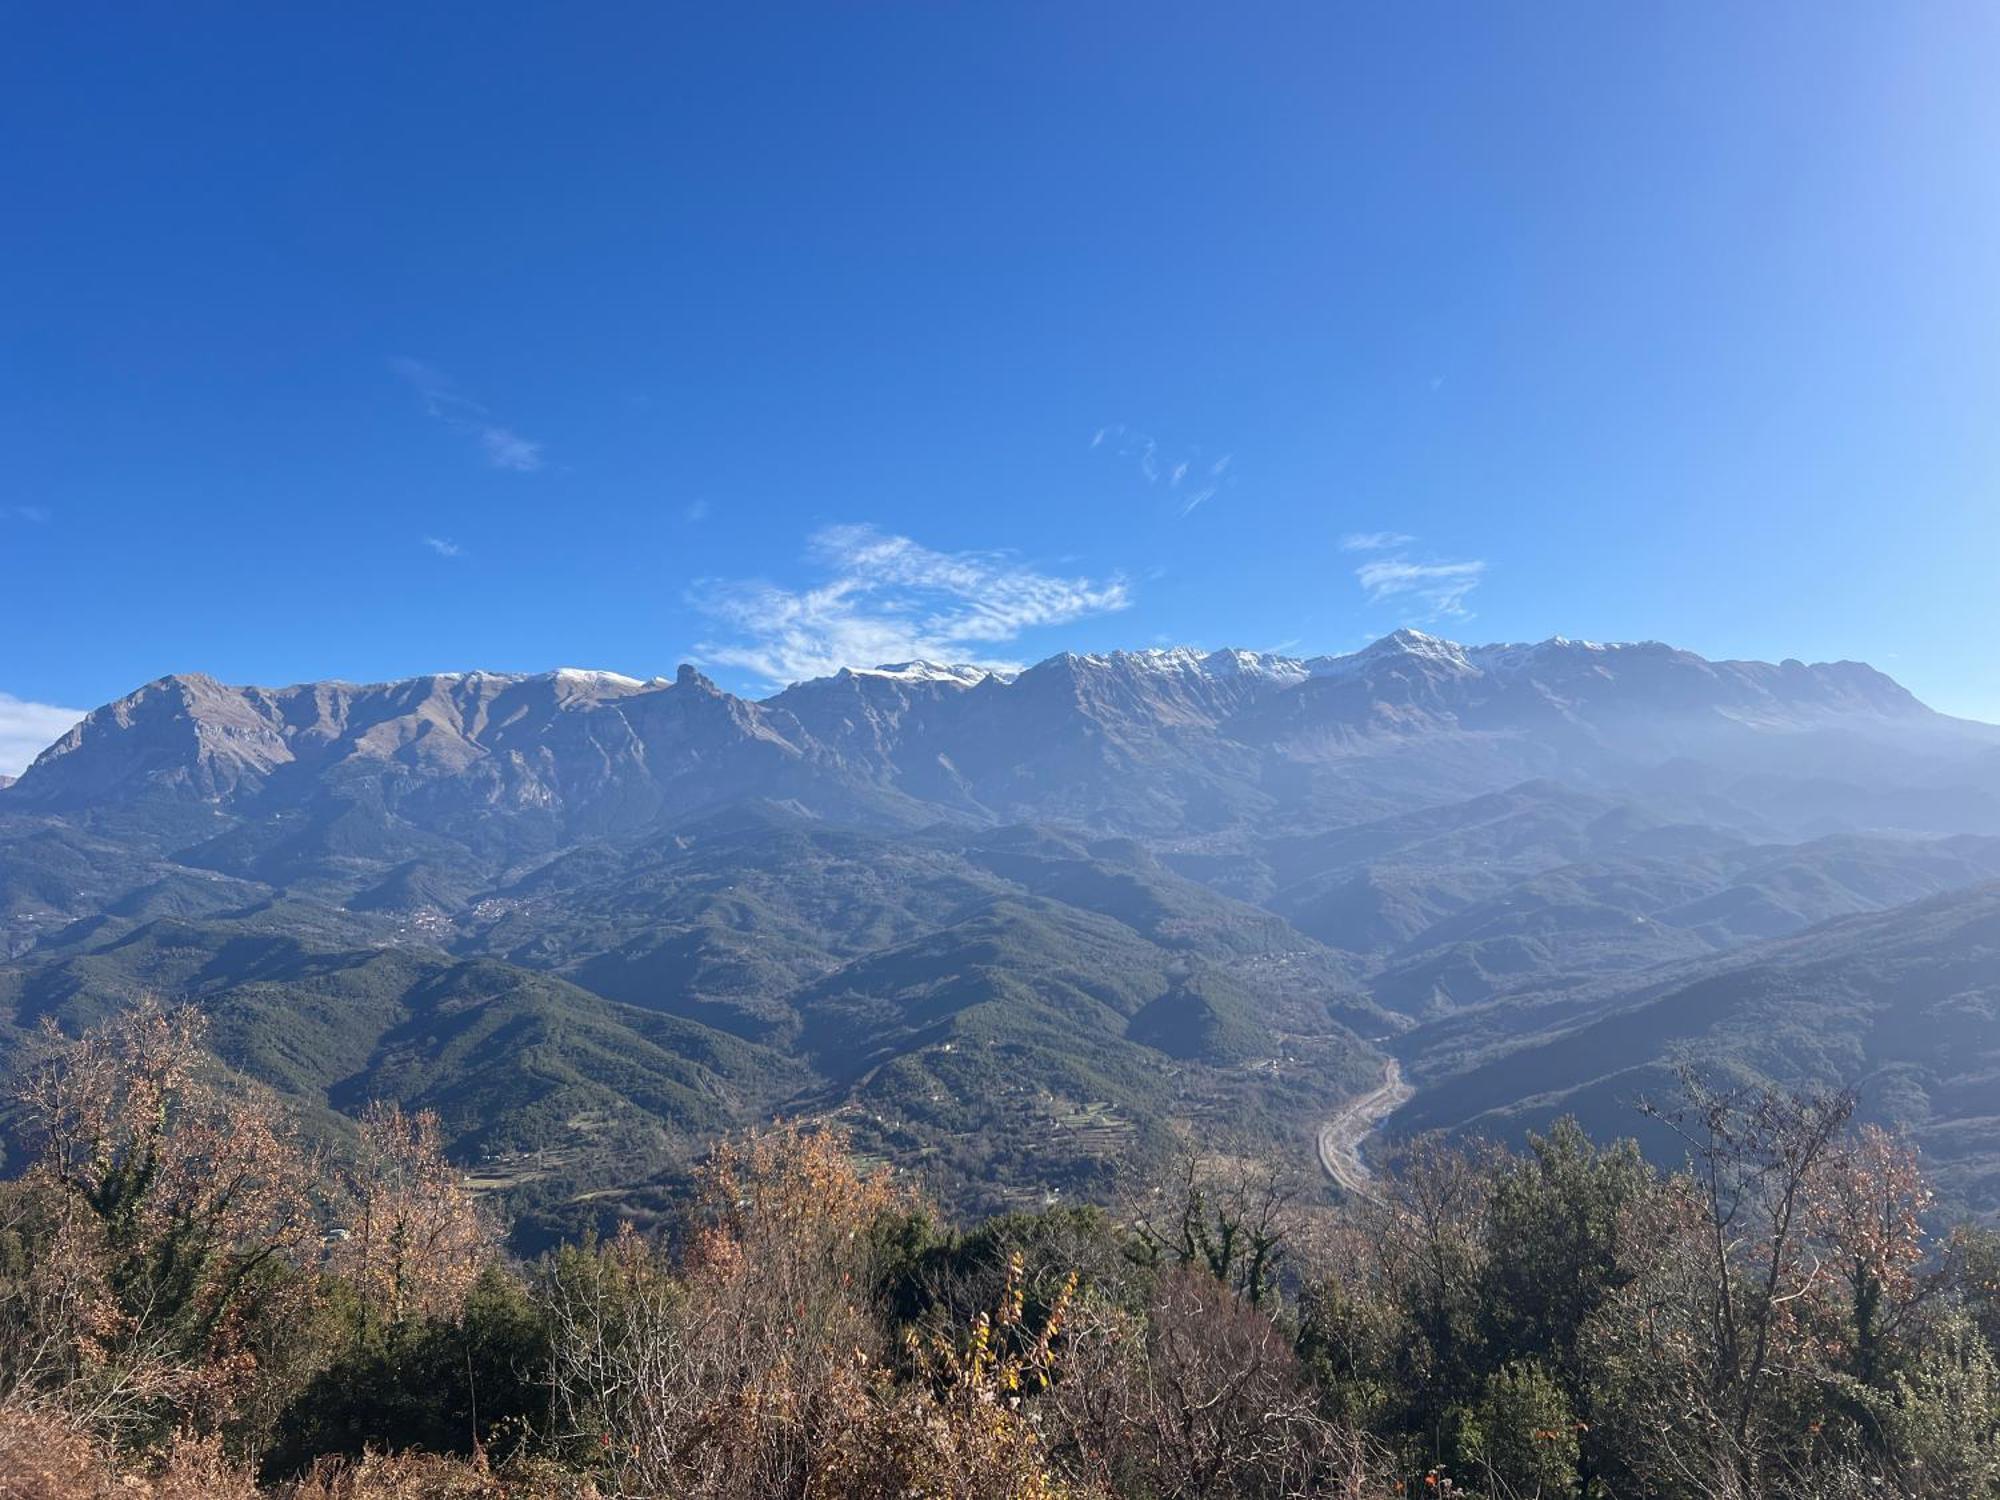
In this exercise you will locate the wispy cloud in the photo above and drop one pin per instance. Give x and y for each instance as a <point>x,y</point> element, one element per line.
<point>697,512</point>
<point>34,515</point>
<point>502,446</point>
<point>1207,481</point>
<point>27,729</point>
<point>1374,541</point>
<point>1136,448</point>
<point>886,598</point>
<point>443,546</point>
<point>1441,587</point>
<point>1188,476</point>
<point>507,449</point>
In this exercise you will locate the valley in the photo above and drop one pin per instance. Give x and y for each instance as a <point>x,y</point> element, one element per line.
<point>1022,932</point>
<point>1343,1135</point>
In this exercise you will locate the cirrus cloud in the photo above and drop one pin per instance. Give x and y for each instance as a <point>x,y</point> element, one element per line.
<point>502,447</point>
<point>887,598</point>
<point>1374,541</point>
<point>1441,587</point>
<point>1188,477</point>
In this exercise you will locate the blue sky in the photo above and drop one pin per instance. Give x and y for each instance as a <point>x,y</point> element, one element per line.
<point>369,340</point>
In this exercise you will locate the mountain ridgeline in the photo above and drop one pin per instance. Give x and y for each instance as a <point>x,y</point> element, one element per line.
<point>1016,929</point>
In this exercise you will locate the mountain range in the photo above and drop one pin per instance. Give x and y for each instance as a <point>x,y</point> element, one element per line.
<point>1016,928</point>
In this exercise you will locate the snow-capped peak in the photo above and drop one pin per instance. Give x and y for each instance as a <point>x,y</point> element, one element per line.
<point>1234,662</point>
<point>1433,651</point>
<point>1191,660</point>
<point>928,671</point>
<point>587,677</point>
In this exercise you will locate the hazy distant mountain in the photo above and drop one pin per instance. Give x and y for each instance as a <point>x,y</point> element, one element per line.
<point>1162,742</point>
<point>1010,924</point>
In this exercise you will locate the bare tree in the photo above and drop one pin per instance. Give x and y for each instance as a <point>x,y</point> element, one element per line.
<point>1228,1215</point>
<point>1429,1229</point>
<point>1203,1397</point>
<point>1708,1353</point>
<point>730,1371</point>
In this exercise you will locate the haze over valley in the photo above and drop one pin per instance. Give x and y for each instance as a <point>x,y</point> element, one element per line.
<point>939,752</point>
<point>1017,929</point>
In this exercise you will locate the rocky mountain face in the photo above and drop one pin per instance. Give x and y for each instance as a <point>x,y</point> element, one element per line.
<point>1165,743</point>
<point>1102,895</point>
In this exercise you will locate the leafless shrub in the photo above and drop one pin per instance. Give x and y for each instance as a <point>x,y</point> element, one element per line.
<point>1204,1396</point>
<point>727,1373</point>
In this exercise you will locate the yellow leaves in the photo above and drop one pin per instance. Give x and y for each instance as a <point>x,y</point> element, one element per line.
<point>794,1181</point>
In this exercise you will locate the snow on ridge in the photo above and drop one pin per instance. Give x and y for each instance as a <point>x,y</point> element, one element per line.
<point>962,673</point>
<point>595,678</point>
<point>1429,649</point>
<point>1433,651</point>
<point>1227,662</point>
<point>1231,661</point>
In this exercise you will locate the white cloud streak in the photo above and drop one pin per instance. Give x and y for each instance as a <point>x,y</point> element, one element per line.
<point>34,515</point>
<point>1189,479</point>
<point>1374,541</point>
<point>27,729</point>
<point>507,449</point>
<point>887,598</point>
<point>500,445</point>
<point>443,546</point>
<point>1441,587</point>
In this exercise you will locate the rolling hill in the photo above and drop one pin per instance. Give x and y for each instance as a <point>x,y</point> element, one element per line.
<point>1017,929</point>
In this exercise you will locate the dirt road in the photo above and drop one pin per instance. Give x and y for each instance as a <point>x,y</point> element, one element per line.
<point>1340,1138</point>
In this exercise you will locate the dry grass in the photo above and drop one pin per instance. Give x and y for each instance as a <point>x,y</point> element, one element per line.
<point>429,1477</point>
<point>45,1458</point>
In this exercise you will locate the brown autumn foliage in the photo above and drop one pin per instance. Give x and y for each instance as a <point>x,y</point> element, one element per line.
<point>412,1240</point>
<point>1868,1209</point>
<point>188,1306</point>
<point>157,1233</point>
<point>43,1457</point>
<point>46,1457</point>
<point>429,1476</point>
<point>1773,1289</point>
<point>749,1364</point>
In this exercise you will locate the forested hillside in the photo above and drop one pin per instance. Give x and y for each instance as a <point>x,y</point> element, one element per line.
<point>1016,933</point>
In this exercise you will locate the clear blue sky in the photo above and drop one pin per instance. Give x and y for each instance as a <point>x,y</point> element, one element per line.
<point>365,340</point>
